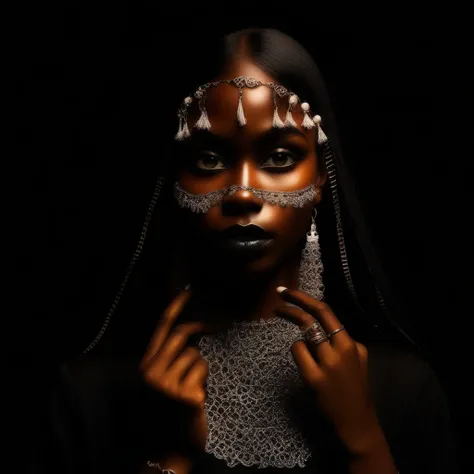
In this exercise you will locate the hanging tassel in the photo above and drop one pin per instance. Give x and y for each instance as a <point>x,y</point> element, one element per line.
<point>289,120</point>
<point>240,111</point>
<point>307,123</point>
<point>322,137</point>
<point>183,130</point>
<point>179,135</point>
<point>203,122</point>
<point>277,121</point>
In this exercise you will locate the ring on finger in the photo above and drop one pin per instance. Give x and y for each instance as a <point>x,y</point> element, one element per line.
<point>315,334</point>
<point>335,331</point>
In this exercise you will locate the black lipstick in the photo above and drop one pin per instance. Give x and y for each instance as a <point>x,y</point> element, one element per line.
<point>245,239</point>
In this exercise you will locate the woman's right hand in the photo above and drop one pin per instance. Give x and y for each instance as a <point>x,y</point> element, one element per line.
<point>178,373</point>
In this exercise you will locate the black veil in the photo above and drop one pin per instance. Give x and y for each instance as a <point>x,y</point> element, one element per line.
<point>356,285</point>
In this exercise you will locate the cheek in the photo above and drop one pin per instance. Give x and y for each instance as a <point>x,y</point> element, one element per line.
<point>289,223</point>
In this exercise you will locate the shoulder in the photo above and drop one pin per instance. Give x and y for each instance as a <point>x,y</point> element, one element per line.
<point>408,376</point>
<point>102,385</point>
<point>97,371</point>
<point>396,377</point>
<point>413,410</point>
<point>105,399</point>
<point>394,365</point>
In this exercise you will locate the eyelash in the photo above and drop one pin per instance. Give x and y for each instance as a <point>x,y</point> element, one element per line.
<point>296,156</point>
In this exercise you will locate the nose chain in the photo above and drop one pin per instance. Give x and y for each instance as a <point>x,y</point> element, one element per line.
<point>201,203</point>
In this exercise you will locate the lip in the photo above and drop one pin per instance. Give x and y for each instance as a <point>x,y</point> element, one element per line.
<point>245,232</point>
<point>249,239</point>
<point>245,245</point>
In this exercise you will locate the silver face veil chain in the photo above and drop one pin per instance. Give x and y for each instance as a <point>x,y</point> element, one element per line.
<point>201,203</point>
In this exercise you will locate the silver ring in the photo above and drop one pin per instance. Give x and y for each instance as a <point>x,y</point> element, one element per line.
<point>315,334</point>
<point>335,331</point>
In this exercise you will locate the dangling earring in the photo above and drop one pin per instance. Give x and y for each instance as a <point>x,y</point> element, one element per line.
<point>311,266</point>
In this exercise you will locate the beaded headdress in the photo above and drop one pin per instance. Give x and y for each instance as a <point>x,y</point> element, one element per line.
<point>242,82</point>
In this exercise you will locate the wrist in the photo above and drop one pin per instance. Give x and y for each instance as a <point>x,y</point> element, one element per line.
<point>178,462</point>
<point>364,441</point>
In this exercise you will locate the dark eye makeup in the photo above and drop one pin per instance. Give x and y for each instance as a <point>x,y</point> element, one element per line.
<point>280,159</point>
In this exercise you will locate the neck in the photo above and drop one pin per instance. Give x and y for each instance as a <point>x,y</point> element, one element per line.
<point>241,296</point>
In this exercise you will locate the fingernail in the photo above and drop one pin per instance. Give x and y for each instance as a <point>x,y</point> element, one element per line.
<point>188,286</point>
<point>281,289</point>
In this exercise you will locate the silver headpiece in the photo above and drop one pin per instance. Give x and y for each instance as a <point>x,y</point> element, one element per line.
<point>242,82</point>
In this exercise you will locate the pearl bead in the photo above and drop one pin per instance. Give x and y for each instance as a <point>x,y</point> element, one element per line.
<point>293,99</point>
<point>305,106</point>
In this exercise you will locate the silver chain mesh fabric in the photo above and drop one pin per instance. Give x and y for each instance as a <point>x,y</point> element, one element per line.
<point>253,395</point>
<point>201,203</point>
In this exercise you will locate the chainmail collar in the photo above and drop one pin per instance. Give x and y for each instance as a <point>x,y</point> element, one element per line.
<point>254,406</point>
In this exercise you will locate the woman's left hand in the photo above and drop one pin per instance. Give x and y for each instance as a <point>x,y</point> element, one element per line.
<point>335,370</point>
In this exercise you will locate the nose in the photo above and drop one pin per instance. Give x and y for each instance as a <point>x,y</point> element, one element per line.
<point>242,201</point>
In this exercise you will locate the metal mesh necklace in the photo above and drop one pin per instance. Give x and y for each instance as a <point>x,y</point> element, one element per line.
<point>253,393</point>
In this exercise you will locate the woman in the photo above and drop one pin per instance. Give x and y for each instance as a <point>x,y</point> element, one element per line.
<point>277,353</point>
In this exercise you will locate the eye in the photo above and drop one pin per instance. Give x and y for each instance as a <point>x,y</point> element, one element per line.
<point>209,161</point>
<point>280,158</point>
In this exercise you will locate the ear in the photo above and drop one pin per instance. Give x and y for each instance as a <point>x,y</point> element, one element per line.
<point>320,181</point>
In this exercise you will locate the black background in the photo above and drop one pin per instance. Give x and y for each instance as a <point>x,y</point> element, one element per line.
<point>91,100</point>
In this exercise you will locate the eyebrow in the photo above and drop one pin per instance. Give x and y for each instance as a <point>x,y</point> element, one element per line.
<point>270,135</point>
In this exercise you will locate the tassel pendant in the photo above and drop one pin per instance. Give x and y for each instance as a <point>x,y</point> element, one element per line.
<point>289,120</point>
<point>307,123</point>
<point>240,111</point>
<point>277,121</point>
<point>322,137</point>
<point>183,130</point>
<point>179,135</point>
<point>203,122</point>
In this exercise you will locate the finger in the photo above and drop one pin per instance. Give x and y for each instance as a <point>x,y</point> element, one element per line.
<point>180,367</point>
<point>304,320</point>
<point>165,324</point>
<point>318,309</point>
<point>363,358</point>
<point>196,376</point>
<point>175,343</point>
<point>309,369</point>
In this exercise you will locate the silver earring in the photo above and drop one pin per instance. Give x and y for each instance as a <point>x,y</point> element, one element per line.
<point>311,266</point>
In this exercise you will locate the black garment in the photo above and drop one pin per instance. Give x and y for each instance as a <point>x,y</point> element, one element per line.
<point>97,420</point>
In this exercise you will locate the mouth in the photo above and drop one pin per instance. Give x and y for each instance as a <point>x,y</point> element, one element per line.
<point>249,239</point>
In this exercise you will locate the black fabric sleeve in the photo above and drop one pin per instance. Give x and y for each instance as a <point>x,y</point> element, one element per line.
<point>87,421</point>
<point>56,429</point>
<point>427,430</point>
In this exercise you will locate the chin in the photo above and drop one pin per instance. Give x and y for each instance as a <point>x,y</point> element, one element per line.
<point>245,269</point>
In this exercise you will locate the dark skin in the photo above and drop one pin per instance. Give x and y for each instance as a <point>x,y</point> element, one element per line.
<point>336,370</point>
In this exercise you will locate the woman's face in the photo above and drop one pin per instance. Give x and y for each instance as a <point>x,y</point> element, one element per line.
<point>256,155</point>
